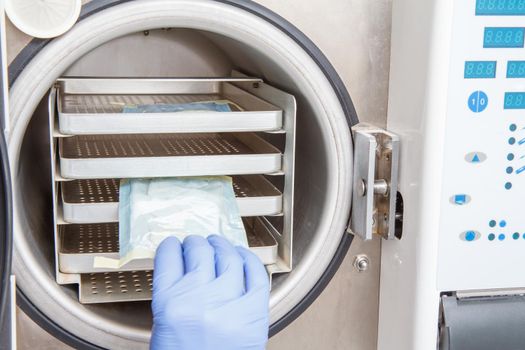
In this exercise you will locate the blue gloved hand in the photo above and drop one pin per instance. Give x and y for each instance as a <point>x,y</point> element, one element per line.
<point>208,295</point>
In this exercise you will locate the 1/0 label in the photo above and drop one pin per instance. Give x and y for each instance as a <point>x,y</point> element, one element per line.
<point>478,101</point>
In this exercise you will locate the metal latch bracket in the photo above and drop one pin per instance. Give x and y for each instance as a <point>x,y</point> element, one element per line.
<point>376,160</point>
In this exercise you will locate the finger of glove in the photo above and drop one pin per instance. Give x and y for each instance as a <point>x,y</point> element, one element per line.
<point>229,268</point>
<point>168,264</point>
<point>199,260</point>
<point>255,274</point>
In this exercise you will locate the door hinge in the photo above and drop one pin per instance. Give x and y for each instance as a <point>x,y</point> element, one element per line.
<point>376,161</point>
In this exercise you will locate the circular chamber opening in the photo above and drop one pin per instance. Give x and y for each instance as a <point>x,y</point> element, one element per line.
<point>182,39</point>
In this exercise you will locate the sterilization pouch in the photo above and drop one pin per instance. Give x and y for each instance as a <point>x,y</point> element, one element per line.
<point>152,209</point>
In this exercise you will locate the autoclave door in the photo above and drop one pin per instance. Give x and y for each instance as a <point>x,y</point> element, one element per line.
<point>7,300</point>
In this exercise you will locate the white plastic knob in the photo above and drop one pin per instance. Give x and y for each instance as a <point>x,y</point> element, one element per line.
<point>43,18</point>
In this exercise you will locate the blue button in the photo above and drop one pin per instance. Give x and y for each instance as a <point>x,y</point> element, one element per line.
<point>478,101</point>
<point>460,199</point>
<point>501,237</point>
<point>502,223</point>
<point>508,185</point>
<point>470,236</point>
<point>510,156</point>
<point>475,157</point>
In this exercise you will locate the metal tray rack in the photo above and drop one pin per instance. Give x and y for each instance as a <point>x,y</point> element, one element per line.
<point>95,106</point>
<point>94,144</point>
<point>81,243</point>
<point>136,285</point>
<point>96,201</point>
<point>164,155</point>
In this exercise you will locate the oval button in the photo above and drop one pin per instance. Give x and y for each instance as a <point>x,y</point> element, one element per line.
<point>469,236</point>
<point>476,157</point>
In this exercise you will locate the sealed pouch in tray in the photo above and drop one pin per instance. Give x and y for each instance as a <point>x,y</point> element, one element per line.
<point>129,106</point>
<point>81,243</point>
<point>96,201</point>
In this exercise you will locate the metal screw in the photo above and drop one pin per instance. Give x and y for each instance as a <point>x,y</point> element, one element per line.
<point>361,263</point>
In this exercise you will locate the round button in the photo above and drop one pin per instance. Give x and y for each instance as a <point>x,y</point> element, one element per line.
<point>491,236</point>
<point>470,236</point>
<point>501,237</point>
<point>478,101</point>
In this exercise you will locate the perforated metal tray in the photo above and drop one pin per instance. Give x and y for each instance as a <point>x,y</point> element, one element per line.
<point>81,243</point>
<point>96,201</point>
<point>114,287</point>
<point>95,106</point>
<point>164,155</point>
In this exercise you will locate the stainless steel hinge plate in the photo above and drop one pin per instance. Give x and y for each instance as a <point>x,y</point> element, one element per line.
<point>376,159</point>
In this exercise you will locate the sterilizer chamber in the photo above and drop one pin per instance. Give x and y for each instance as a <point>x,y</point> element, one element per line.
<point>180,39</point>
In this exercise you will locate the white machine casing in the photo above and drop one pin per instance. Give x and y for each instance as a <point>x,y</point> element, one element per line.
<point>450,149</point>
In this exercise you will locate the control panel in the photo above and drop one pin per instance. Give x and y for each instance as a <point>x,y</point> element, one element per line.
<point>482,225</point>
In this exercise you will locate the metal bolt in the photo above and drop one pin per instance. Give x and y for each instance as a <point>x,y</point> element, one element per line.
<point>381,187</point>
<point>361,263</point>
<point>361,188</point>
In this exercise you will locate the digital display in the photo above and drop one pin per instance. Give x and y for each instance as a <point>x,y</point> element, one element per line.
<point>500,7</point>
<point>480,69</point>
<point>502,37</point>
<point>514,100</point>
<point>516,69</point>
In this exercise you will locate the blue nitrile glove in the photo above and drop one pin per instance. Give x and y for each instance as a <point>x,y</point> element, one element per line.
<point>208,295</point>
